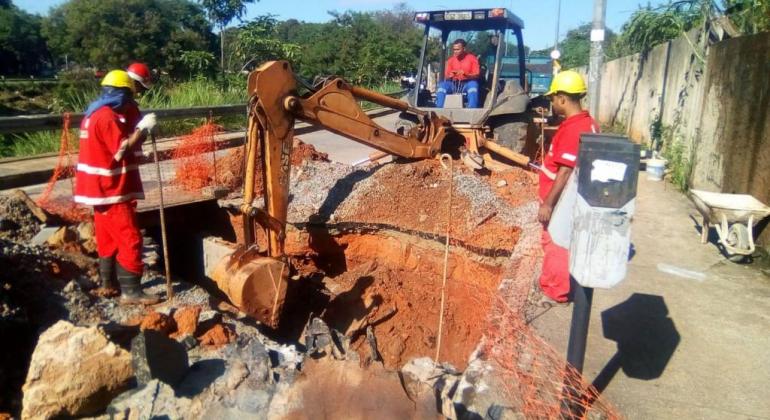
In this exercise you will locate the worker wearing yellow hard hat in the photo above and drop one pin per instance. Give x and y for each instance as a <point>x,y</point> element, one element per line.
<point>107,178</point>
<point>118,79</point>
<point>567,90</point>
<point>568,81</point>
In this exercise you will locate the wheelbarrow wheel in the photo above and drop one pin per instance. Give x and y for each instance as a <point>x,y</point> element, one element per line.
<point>738,237</point>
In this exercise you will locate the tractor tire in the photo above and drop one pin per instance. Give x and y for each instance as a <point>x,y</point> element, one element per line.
<point>511,134</point>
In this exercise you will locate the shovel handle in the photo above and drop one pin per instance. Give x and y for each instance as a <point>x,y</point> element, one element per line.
<point>161,210</point>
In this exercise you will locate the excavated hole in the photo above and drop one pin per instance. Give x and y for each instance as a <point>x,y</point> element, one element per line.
<point>392,281</point>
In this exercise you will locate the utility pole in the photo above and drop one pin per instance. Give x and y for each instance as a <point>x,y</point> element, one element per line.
<point>558,18</point>
<point>597,57</point>
<point>555,53</point>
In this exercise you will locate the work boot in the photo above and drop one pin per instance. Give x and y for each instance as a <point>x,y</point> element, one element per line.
<point>108,285</point>
<point>131,289</point>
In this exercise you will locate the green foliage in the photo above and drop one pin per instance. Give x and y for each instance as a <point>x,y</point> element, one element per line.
<point>198,63</point>
<point>648,27</point>
<point>33,143</point>
<point>258,41</point>
<point>750,16</point>
<point>109,34</point>
<point>674,149</point>
<point>576,46</point>
<point>365,48</point>
<point>75,91</point>
<point>23,50</point>
<point>222,12</point>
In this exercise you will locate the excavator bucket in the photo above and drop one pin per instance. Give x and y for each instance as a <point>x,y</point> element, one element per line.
<point>255,284</point>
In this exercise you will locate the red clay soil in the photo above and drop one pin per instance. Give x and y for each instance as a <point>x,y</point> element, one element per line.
<point>186,320</point>
<point>158,322</point>
<point>341,389</point>
<point>416,195</point>
<point>394,284</point>
<point>230,168</point>
<point>218,335</point>
<point>520,185</point>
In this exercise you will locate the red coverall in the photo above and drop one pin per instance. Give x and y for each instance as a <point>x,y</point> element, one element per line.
<point>554,279</point>
<point>107,178</point>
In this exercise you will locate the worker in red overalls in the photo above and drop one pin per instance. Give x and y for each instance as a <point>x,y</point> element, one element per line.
<point>107,178</point>
<point>567,89</point>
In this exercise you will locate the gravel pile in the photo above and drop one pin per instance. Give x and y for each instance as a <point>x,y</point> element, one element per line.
<point>17,222</point>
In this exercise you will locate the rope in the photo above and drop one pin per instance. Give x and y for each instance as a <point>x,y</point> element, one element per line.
<point>445,157</point>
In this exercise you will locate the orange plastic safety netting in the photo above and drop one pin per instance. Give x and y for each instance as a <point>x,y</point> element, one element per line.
<point>56,198</point>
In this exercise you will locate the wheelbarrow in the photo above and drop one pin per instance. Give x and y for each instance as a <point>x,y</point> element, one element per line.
<point>733,216</point>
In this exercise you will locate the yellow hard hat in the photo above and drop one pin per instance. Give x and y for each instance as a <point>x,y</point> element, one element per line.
<point>567,81</point>
<point>118,79</point>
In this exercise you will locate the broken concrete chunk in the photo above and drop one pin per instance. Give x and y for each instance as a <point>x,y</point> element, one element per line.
<point>62,236</point>
<point>86,231</point>
<point>45,233</point>
<point>155,356</point>
<point>154,400</point>
<point>74,371</point>
<point>36,210</point>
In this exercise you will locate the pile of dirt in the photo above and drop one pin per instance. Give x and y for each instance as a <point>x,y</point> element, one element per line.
<point>230,168</point>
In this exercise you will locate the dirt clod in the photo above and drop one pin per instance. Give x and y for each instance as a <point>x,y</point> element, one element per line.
<point>186,320</point>
<point>158,322</point>
<point>218,335</point>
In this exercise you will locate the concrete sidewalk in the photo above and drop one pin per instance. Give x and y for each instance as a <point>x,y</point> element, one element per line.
<point>693,345</point>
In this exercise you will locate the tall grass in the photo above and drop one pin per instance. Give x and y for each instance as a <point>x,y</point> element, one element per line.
<point>196,92</point>
<point>34,143</point>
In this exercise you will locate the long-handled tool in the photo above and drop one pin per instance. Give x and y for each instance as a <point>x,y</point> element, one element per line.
<point>169,286</point>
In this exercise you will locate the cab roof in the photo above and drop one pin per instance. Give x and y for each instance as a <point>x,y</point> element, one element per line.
<point>469,19</point>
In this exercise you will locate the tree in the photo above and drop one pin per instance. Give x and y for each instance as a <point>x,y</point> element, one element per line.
<point>366,48</point>
<point>198,62</point>
<point>111,33</point>
<point>22,48</point>
<point>576,46</point>
<point>221,13</point>
<point>258,41</point>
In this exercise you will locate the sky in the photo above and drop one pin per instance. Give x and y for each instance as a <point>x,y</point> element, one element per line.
<point>539,16</point>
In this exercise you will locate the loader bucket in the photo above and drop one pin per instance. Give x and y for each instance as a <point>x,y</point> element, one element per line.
<point>255,284</point>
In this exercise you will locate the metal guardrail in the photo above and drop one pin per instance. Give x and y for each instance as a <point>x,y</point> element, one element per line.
<point>26,123</point>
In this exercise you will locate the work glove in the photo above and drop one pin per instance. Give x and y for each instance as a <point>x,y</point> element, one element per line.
<point>148,122</point>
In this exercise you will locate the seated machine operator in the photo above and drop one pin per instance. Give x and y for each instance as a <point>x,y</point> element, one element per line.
<point>460,75</point>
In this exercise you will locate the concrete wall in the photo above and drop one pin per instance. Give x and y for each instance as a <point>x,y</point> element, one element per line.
<point>718,108</point>
<point>663,83</point>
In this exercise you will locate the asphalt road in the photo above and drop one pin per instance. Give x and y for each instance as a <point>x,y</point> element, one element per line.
<point>689,345</point>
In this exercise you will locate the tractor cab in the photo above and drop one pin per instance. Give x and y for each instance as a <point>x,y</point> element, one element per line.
<point>494,37</point>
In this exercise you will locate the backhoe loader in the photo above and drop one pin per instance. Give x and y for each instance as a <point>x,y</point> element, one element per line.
<point>255,280</point>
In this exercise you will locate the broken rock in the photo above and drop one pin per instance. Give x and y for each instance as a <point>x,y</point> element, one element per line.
<point>74,371</point>
<point>155,356</point>
<point>155,400</point>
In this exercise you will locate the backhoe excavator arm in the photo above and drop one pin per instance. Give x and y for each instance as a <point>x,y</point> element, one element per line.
<point>256,283</point>
<point>273,107</point>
